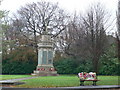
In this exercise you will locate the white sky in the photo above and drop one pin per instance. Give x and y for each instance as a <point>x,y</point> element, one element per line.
<point>69,5</point>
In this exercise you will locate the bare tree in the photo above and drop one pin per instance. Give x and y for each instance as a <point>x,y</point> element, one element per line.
<point>41,16</point>
<point>118,29</point>
<point>74,37</point>
<point>85,36</point>
<point>95,26</point>
<point>72,41</point>
<point>4,31</point>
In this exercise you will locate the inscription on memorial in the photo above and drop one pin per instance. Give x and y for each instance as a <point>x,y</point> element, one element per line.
<point>44,57</point>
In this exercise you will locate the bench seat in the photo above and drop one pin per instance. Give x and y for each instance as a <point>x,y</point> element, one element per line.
<point>94,82</point>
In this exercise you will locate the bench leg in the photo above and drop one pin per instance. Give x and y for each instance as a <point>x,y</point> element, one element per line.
<point>81,83</point>
<point>94,83</point>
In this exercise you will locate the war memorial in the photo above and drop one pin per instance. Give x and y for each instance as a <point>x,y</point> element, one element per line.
<point>45,56</point>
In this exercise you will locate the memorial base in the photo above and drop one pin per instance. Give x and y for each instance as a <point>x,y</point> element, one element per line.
<point>45,71</point>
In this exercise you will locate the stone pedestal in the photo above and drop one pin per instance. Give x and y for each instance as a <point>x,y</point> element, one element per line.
<point>45,57</point>
<point>45,71</point>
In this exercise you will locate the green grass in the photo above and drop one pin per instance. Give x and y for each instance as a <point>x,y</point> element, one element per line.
<point>108,80</point>
<point>65,81</point>
<point>5,77</point>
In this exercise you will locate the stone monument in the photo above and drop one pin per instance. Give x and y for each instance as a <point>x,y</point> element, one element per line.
<point>45,56</point>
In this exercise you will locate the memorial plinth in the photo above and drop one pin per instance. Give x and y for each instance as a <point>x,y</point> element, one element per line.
<point>45,57</point>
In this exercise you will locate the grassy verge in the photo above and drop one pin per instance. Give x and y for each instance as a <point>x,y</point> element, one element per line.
<point>65,81</point>
<point>5,77</point>
<point>108,80</point>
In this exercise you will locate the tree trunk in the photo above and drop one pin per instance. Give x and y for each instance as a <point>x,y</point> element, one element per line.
<point>35,39</point>
<point>118,45</point>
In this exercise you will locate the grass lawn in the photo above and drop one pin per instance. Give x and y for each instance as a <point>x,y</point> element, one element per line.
<point>65,81</point>
<point>5,77</point>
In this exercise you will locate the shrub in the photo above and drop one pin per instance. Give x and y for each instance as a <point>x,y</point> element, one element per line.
<point>20,61</point>
<point>71,66</point>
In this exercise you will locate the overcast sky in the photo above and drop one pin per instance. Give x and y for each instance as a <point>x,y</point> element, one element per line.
<point>68,5</point>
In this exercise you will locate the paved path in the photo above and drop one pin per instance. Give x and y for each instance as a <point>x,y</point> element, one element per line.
<point>15,80</point>
<point>101,87</point>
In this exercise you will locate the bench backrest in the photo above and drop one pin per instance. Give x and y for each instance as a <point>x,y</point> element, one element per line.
<point>87,76</point>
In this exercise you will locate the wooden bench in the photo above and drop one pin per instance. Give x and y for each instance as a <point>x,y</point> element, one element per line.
<point>94,82</point>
